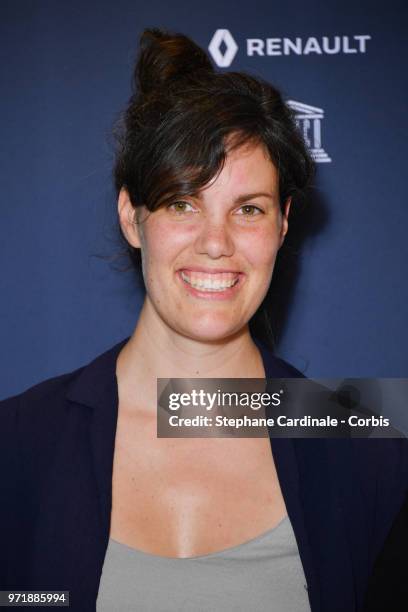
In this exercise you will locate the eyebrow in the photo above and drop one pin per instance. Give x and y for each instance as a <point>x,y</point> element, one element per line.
<point>246,196</point>
<point>249,196</point>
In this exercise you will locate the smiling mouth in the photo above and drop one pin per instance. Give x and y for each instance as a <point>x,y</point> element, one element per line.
<point>212,282</point>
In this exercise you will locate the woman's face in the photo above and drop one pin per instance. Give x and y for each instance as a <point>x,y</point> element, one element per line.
<point>208,260</point>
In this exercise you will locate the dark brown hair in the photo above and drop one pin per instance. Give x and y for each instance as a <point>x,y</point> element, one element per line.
<point>181,121</point>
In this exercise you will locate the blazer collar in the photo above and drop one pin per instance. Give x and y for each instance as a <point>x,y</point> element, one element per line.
<point>96,387</point>
<point>96,384</point>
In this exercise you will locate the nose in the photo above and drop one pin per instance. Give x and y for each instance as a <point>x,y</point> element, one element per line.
<point>214,239</point>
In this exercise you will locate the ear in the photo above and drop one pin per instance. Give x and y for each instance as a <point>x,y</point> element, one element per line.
<point>285,221</point>
<point>128,219</point>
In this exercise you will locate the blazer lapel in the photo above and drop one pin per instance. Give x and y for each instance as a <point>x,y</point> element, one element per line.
<point>96,387</point>
<point>311,475</point>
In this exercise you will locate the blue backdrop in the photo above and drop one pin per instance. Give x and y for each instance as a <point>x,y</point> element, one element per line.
<point>65,76</point>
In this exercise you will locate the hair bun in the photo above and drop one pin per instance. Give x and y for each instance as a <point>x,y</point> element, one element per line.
<point>165,56</point>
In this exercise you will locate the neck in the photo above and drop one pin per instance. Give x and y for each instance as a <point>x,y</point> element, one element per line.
<point>156,351</point>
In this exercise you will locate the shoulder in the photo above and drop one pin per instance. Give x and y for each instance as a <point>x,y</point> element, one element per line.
<point>41,398</point>
<point>35,422</point>
<point>372,462</point>
<point>365,479</point>
<point>33,425</point>
<point>84,385</point>
<point>44,409</point>
<point>378,467</point>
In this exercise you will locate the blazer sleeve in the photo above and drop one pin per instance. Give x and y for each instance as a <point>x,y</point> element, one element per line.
<point>31,424</point>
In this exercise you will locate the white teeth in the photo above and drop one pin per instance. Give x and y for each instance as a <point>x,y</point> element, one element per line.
<point>210,284</point>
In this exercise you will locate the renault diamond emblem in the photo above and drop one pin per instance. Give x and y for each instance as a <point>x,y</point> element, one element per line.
<point>223,48</point>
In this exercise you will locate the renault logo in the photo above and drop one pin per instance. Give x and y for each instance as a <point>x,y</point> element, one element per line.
<point>223,48</point>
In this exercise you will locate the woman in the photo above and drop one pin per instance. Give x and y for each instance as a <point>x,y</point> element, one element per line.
<point>208,170</point>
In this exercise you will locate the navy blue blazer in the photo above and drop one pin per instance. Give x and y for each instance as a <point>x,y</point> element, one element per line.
<point>56,458</point>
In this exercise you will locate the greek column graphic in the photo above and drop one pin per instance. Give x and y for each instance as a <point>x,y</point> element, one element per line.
<point>308,119</point>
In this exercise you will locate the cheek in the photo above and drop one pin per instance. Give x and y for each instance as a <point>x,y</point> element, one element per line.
<point>260,246</point>
<point>163,242</point>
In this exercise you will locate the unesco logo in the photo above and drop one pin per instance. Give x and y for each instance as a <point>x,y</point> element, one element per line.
<point>309,121</point>
<point>223,48</point>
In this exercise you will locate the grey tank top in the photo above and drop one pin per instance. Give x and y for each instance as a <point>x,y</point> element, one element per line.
<point>262,574</point>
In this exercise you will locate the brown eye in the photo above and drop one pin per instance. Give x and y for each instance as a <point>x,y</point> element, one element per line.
<point>179,207</point>
<point>250,210</point>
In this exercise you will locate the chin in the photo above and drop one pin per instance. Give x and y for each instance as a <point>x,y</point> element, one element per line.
<point>210,331</point>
